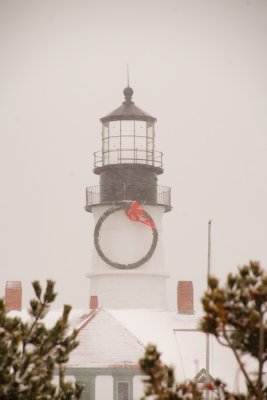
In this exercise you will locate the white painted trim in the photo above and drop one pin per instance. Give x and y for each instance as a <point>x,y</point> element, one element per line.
<point>128,272</point>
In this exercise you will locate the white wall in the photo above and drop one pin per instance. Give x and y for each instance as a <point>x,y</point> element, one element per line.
<point>126,241</point>
<point>104,387</point>
<point>138,387</point>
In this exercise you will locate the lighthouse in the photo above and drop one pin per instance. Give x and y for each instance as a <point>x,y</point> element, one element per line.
<point>127,270</point>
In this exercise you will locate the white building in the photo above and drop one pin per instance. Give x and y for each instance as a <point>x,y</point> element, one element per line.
<point>128,307</point>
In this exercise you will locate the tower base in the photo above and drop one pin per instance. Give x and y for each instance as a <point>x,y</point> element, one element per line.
<point>120,291</point>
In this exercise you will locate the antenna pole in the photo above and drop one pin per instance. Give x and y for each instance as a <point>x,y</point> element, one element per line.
<point>125,185</point>
<point>207,335</point>
<point>209,252</point>
<point>128,75</point>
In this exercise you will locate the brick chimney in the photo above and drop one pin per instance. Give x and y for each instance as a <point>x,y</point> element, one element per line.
<point>185,297</point>
<point>13,295</point>
<point>93,302</point>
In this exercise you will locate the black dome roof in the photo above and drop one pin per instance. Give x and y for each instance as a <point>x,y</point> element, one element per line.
<point>128,110</point>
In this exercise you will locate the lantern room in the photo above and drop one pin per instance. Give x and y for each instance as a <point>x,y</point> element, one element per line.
<point>128,136</point>
<point>128,164</point>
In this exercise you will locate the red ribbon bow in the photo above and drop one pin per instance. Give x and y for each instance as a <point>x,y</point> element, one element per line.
<point>135,213</point>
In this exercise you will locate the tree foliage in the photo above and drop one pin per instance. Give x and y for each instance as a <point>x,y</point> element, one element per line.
<point>235,314</point>
<point>31,353</point>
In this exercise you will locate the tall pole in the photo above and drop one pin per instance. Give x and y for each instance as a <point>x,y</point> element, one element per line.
<point>128,79</point>
<point>207,335</point>
<point>209,252</point>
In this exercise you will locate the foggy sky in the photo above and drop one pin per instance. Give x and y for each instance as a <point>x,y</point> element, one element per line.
<point>198,66</point>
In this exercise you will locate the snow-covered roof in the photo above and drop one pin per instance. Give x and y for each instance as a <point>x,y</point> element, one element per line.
<point>156,326</point>
<point>182,344</point>
<point>105,342</point>
<point>116,338</point>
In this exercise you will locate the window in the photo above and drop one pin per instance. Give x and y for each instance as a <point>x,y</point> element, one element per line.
<point>105,144</point>
<point>105,130</point>
<point>127,128</point>
<point>140,128</point>
<point>114,143</point>
<point>127,142</point>
<point>150,130</point>
<point>123,391</point>
<point>114,128</point>
<point>140,143</point>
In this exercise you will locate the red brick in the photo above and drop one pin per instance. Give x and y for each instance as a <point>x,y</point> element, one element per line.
<point>93,302</point>
<point>185,297</point>
<point>13,295</point>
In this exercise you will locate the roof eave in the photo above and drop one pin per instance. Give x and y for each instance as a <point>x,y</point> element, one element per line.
<point>128,110</point>
<point>127,117</point>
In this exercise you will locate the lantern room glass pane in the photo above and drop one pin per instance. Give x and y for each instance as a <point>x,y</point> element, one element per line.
<point>105,144</point>
<point>140,128</point>
<point>114,143</point>
<point>114,156</point>
<point>150,130</point>
<point>114,128</point>
<point>127,156</point>
<point>127,142</point>
<point>127,128</point>
<point>105,158</point>
<point>149,145</point>
<point>105,130</point>
<point>140,143</point>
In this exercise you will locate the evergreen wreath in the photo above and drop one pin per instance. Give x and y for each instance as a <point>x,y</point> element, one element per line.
<point>104,216</point>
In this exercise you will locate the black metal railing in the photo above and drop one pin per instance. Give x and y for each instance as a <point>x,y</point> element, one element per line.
<point>164,195</point>
<point>93,195</point>
<point>128,156</point>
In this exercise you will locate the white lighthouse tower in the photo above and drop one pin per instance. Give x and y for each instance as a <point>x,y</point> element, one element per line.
<point>128,205</point>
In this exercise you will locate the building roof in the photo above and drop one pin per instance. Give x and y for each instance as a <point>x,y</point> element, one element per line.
<point>128,110</point>
<point>116,338</point>
<point>182,344</point>
<point>105,342</point>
